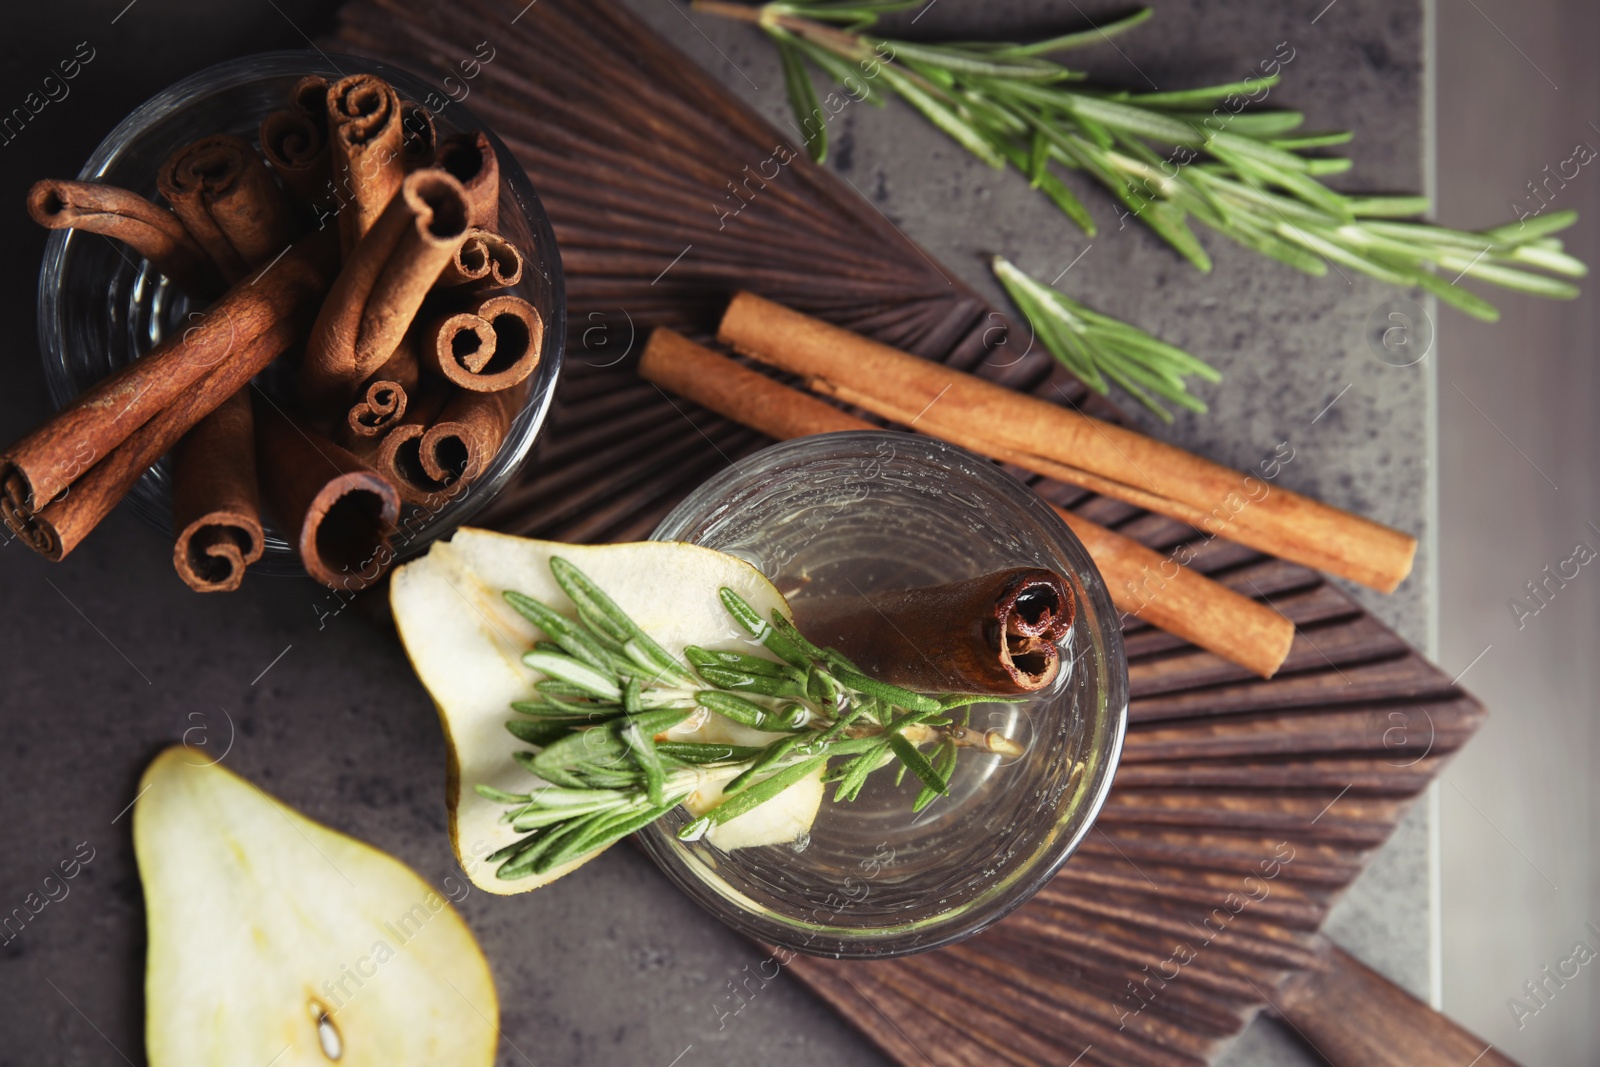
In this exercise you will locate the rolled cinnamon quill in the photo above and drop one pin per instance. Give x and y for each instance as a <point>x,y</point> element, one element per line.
<point>996,633</point>
<point>382,401</point>
<point>485,260</point>
<point>309,96</point>
<point>420,140</point>
<point>216,507</point>
<point>332,507</point>
<point>493,344</point>
<point>383,283</point>
<point>64,522</point>
<point>470,159</point>
<point>228,201</point>
<point>1141,582</point>
<point>1062,444</point>
<point>150,230</point>
<point>241,333</point>
<point>463,440</point>
<point>367,135</point>
<point>397,454</point>
<point>296,147</point>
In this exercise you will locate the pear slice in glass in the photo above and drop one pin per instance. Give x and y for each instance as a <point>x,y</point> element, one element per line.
<point>273,939</point>
<point>466,644</point>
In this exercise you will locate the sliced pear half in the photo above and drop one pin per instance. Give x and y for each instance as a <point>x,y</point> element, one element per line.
<point>466,644</point>
<point>274,939</point>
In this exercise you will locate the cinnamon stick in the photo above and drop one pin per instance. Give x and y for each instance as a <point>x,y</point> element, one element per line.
<point>228,202</point>
<point>397,455</point>
<point>470,159</point>
<point>383,399</point>
<point>485,260</point>
<point>296,147</point>
<point>332,507</point>
<point>216,508</point>
<point>383,283</point>
<point>274,305</point>
<point>493,344</point>
<point>365,130</point>
<point>420,140</point>
<point>993,633</point>
<point>62,524</point>
<point>1141,582</point>
<point>463,440</point>
<point>150,230</point>
<point>1066,445</point>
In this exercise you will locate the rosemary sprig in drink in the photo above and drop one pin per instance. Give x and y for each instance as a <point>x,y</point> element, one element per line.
<point>1168,157</point>
<point>610,694</point>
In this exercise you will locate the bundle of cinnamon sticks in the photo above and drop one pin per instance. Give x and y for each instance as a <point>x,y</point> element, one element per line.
<point>358,245</point>
<point>1045,439</point>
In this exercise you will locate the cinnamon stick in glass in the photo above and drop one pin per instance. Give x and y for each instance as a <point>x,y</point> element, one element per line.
<point>462,442</point>
<point>62,524</point>
<point>332,507</point>
<point>228,202</point>
<point>383,399</point>
<point>150,230</point>
<point>493,343</point>
<point>366,133</point>
<point>397,454</point>
<point>1068,446</point>
<point>376,296</point>
<point>241,333</point>
<point>216,507</point>
<point>419,139</point>
<point>296,148</point>
<point>994,633</point>
<point>1188,605</point>
<point>485,260</point>
<point>470,159</point>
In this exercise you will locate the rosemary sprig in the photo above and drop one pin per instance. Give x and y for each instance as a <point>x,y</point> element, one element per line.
<point>1168,157</point>
<point>1096,347</point>
<point>610,693</point>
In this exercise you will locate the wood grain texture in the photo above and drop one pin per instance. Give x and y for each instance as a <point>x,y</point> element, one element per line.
<point>1243,807</point>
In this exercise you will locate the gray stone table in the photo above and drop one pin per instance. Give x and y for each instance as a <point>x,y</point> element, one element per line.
<point>108,659</point>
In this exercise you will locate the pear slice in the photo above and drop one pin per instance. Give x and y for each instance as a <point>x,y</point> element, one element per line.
<point>274,939</point>
<point>466,644</point>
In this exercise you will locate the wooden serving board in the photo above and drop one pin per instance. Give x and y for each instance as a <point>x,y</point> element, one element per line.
<point>1243,808</point>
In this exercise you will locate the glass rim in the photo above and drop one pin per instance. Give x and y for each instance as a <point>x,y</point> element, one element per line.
<point>1050,852</point>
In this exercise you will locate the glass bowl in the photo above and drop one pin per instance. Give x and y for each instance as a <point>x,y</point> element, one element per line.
<point>101,307</point>
<point>882,511</point>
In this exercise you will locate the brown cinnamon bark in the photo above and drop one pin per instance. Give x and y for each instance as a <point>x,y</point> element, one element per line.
<point>397,455</point>
<point>64,522</point>
<point>228,202</point>
<point>420,140</point>
<point>383,283</point>
<point>333,508</point>
<point>1062,444</point>
<point>485,260</point>
<point>493,344</point>
<point>470,159</point>
<point>216,508</point>
<point>1142,583</point>
<point>383,399</point>
<point>296,147</point>
<point>309,96</point>
<point>150,230</point>
<point>366,132</point>
<point>463,440</point>
<point>238,336</point>
<point>995,633</point>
